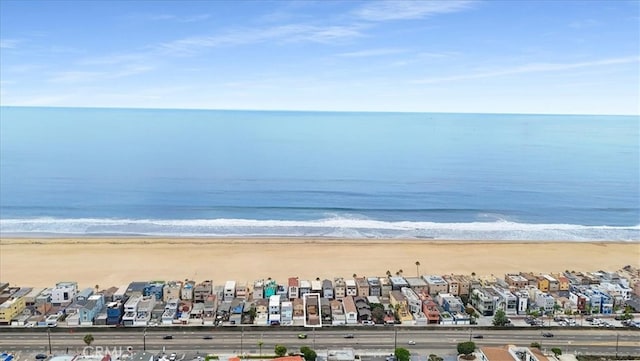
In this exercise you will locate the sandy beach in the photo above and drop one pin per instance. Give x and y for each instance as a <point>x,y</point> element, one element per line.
<point>116,261</point>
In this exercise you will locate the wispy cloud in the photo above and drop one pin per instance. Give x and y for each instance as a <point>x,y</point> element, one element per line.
<point>372,52</point>
<point>405,10</point>
<point>179,18</point>
<point>530,68</point>
<point>9,43</point>
<point>586,23</point>
<point>283,34</point>
<point>93,76</point>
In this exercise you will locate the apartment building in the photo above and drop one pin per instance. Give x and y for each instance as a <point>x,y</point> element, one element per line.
<point>339,288</point>
<point>483,300</point>
<point>516,281</point>
<point>202,290</point>
<point>418,284</point>
<point>436,284</point>
<point>10,309</point>
<point>363,286</point>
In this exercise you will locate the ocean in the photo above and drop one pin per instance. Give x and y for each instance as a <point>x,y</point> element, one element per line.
<point>215,173</point>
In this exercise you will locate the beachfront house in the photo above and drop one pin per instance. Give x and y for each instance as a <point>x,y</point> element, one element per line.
<point>171,290</point>
<point>436,284</point>
<point>64,293</point>
<point>88,312</point>
<point>339,288</point>
<point>374,286</point>
<point>327,289</point>
<point>293,288</point>
<point>229,291</point>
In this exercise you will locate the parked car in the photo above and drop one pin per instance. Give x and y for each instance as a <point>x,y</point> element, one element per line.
<point>547,334</point>
<point>478,336</point>
<point>412,342</point>
<point>349,335</point>
<point>168,337</point>
<point>41,356</point>
<point>207,337</point>
<point>302,336</point>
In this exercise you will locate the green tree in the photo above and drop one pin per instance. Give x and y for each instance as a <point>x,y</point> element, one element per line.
<point>377,313</point>
<point>466,348</point>
<point>434,357</point>
<point>280,350</point>
<point>556,351</point>
<point>500,318</point>
<point>308,353</point>
<point>535,345</point>
<point>402,354</point>
<point>88,339</point>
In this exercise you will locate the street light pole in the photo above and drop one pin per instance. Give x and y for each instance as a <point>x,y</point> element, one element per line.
<point>49,336</point>
<point>241,341</point>
<point>617,339</point>
<point>144,340</point>
<point>470,332</point>
<point>395,339</point>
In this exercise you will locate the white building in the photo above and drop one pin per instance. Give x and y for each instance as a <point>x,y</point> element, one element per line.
<point>414,302</point>
<point>523,302</point>
<point>274,310</point>
<point>229,291</point>
<point>64,292</point>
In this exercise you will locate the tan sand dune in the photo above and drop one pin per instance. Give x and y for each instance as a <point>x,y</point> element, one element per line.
<point>110,261</point>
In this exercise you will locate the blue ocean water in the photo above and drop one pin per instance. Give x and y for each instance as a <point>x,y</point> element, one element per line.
<point>81,171</point>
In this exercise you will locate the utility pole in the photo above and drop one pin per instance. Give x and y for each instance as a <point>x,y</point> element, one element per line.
<point>241,341</point>
<point>395,339</point>
<point>617,339</point>
<point>470,332</point>
<point>49,336</point>
<point>144,340</point>
<point>314,338</point>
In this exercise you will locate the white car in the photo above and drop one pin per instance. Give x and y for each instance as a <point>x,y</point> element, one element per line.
<point>412,342</point>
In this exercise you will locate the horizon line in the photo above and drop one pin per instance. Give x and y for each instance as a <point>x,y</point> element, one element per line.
<point>310,110</point>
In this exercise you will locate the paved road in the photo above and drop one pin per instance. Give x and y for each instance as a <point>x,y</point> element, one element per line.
<point>364,340</point>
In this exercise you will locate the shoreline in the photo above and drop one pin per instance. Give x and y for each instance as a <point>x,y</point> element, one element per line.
<point>115,261</point>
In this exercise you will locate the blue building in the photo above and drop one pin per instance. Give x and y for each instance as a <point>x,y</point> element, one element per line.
<point>155,289</point>
<point>90,310</point>
<point>115,311</point>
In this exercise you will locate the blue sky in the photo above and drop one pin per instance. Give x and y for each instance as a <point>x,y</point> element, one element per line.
<point>451,56</point>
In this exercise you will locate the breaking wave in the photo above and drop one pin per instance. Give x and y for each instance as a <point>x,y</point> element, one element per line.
<point>334,227</point>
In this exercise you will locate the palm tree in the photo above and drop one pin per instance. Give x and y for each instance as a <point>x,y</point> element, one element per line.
<point>88,339</point>
<point>418,268</point>
<point>355,275</point>
<point>388,273</point>
<point>260,343</point>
